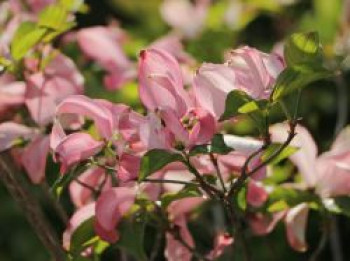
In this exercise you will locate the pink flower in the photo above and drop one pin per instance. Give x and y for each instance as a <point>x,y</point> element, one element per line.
<point>11,131</point>
<point>212,84</point>
<point>45,90</point>
<point>186,18</point>
<point>11,93</point>
<point>103,45</point>
<point>296,220</point>
<point>93,177</point>
<point>247,69</point>
<point>75,148</point>
<point>178,210</point>
<point>161,84</point>
<point>222,240</point>
<point>111,206</point>
<point>256,194</point>
<point>84,106</point>
<point>255,71</point>
<point>329,173</point>
<point>162,92</point>
<point>34,158</point>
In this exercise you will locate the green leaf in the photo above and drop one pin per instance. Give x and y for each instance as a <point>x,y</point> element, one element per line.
<point>303,49</point>
<point>82,235</point>
<point>285,153</point>
<point>234,101</point>
<point>292,79</point>
<point>278,206</point>
<point>53,17</point>
<point>242,199</point>
<point>343,205</point>
<point>155,160</point>
<point>290,196</point>
<point>26,37</point>
<point>217,146</point>
<point>132,237</point>
<point>304,57</point>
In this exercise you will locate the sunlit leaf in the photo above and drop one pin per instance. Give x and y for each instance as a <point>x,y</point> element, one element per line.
<point>26,37</point>
<point>273,148</point>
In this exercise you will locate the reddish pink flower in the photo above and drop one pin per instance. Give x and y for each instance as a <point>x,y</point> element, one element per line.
<point>11,131</point>
<point>103,45</point>
<point>93,177</point>
<point>256,194</point>
<point>75,148</point>
<point>34,158</point>
<point>247,69</point>
<point>11,93</point>
<point>178,210</point>
<point>111,206</point>
<point>222,240</point>
<point>45,90</point>
<point>162,92</point>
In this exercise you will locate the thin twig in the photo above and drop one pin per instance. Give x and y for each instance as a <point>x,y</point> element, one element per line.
<point>218,172</point>
<point>169,181</point>
<point>245,174</point>
<point>209,189</point>
<point>30,208</point>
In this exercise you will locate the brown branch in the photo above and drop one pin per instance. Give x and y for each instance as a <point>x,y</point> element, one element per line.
<point>30,208</point>
<point>172,181</point>
<point>245,174</point>
<point>218,172</point>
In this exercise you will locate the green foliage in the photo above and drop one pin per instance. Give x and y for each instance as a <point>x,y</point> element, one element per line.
<point>242,199</point>
<point>304,58</point>
<point>281,198</point>
<point>82,237</point>
<point>239,103</point>
<point>54,17</point>
<point>155,160</point>
<point>303,50</point>
<point>26,37</point>
<point>273,148</point>
<point>340,205</point>
<point>217,146</point>
<point>235,100</point>
<point>132,233</point>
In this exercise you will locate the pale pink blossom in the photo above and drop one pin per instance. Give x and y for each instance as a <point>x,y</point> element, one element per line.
<point>247,69</point>
<point>296,221</point>
<point>186,18</point>
<point>329,173</point>
<point>103,44</point>
<point>34,157</point>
